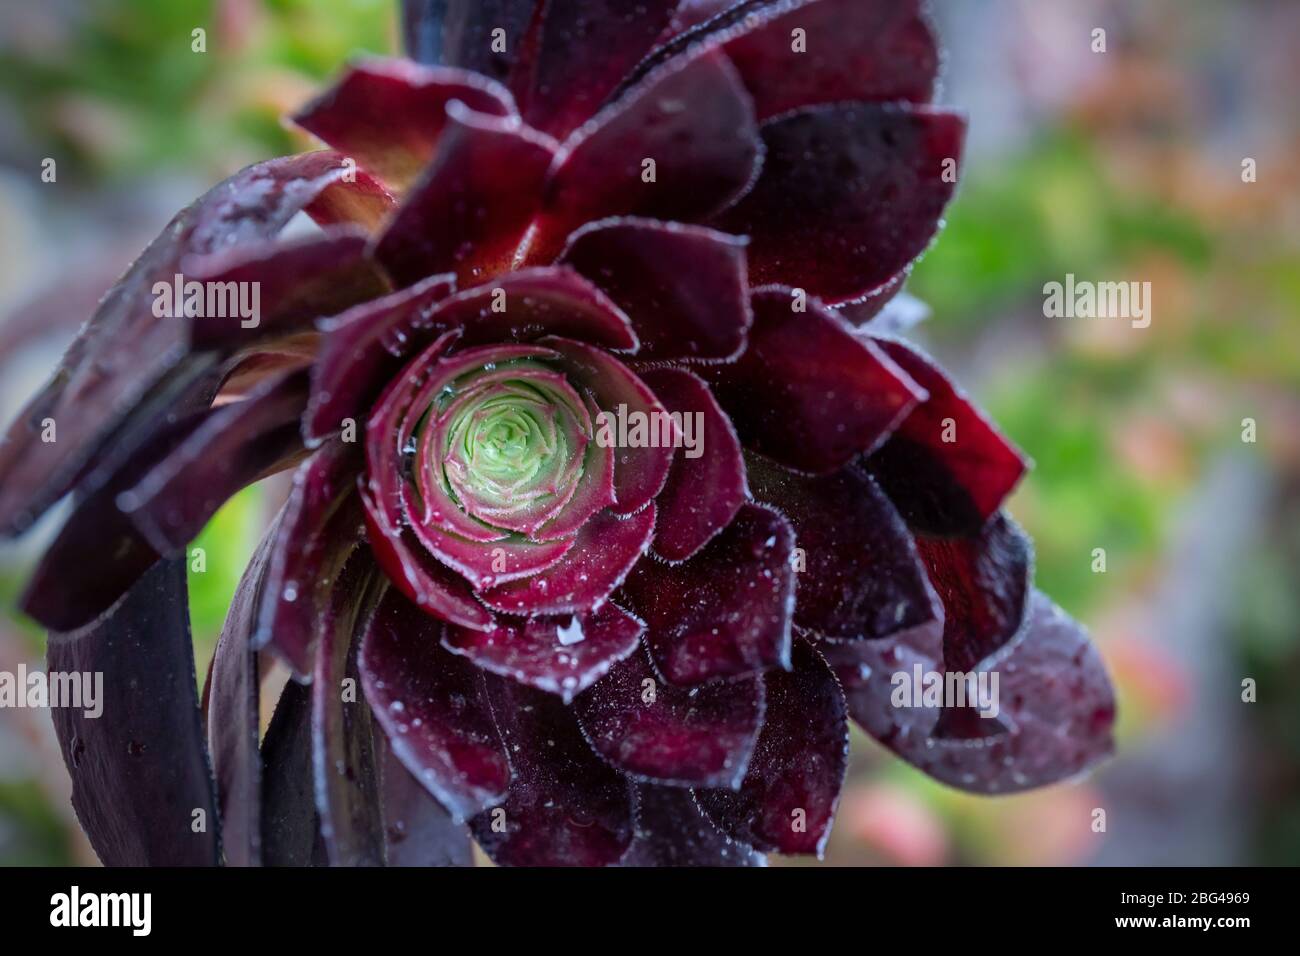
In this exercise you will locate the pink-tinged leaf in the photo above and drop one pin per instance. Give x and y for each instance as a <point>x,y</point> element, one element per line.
<point>863,578</point>
<point>431,585</point>
<point>807,392</point>
<point>344,762</point>
<point>233,716</point>
<point>564,807</point>
<point>470,209</point>
<point>126,353</point>
<point>655,732</point>
<point>388,114</point>
<point>430,704</point>
<point>787,801</point>
<point>726,612</point>
<point>1056,706</point>
<point>692,118</point>
<point>561,655</point>
<point>525,305</point>
<point>849,50</point>
<point>318,534</point>
<point>684,287</point>
<point>640,468</point>
<point>295,283</point>
<point>605,550</point>
<point>706,485</point>
<point>984,584</point>
<point>672,831</point>
<point>584,48</point>
<point>595,491</point>
<point>139,768</point>
<point>946,467</point>
<point>362,350</point>
<point>849,195</point>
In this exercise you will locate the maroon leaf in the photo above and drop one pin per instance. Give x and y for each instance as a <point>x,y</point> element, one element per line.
<point>564,807</point>
<point>296,282</point>
<point>584,48</point>
<point>692,118</point>
<point>560,655</point>
<point>530,303</point>
<point>344,763</point>
<point>1056,706</point>
<point>849,50</point>
<point>362,349</point>
<point>849,195</point>
<point>606,548</point>
<point>233,717</point>
<point>702,737</point>
<point>125,352</point>
<point>141,785</point>
<point>984,583</point>
<point>470,209</point>
<point>431,706</point>
<point>683,287</point>
<point>725,612</point>
<point>862,577</point>
<point>706,485</point>
<point>388,114</point>
<point>319,531</point>
<point>947,467</point>
<point>671,831</point>
<point>787,801</point>
<point>235,446</point>
<point>807,392</point>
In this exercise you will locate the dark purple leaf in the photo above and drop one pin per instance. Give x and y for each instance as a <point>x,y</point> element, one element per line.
<point>290,823</point>
<point>141,784</point>
<point>725,612</point>
<point>672,831</point>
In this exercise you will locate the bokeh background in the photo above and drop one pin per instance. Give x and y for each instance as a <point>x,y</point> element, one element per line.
<point>1115,166</point>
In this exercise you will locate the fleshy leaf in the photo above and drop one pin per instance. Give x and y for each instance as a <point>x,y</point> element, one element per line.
<point>467,33</point>
<point>126,352</point>
<point>388,114</point>
<point>139,768</point>
<point>417,830</point>
<point>431,706</point>
<point>807,392</point>
<point>605,550</point>
<point>290,823</point>
<point>1053,695</point>
<point>849,195</point>
<point>946,467</point>
<point>725,612</point>
<point>233,717</point>
<point>706,485</point>
<point>672,831</point>
<point>470,209</point>
<point>561,655</point>
<point>863,577</point>
<point>344,762</point>
<point>693,119</point>
<point>851,50</point>
<point>787,801</point>
<point>984,584</point>
<point>564,807</point>
<point>684,287</point>
<point>701,737</point>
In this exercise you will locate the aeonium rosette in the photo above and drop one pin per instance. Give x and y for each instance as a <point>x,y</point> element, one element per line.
<point>580,641</point>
